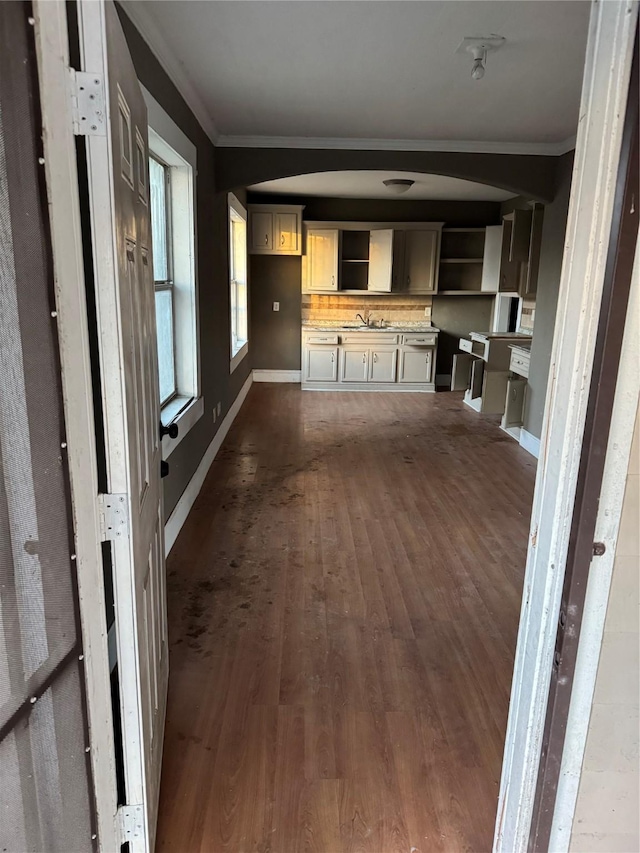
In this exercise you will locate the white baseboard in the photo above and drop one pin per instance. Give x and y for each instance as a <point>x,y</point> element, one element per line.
<point>530,443</point>
<point>277,375</point>
<point>179,515</point>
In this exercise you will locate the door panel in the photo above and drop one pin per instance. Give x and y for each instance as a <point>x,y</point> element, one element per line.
<point>382,365</point>
<point>322,259</point>
<point>261,231</point>
<point>380,260</point>
<point>355,365</point>
<point>322,364</point>
<point>125,305</point>
<point>421,249</point>
<point>415,365</point>
<point>286,232</point>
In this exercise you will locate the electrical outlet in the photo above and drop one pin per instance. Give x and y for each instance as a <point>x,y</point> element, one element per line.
<point>276,306</point>
<point>215,414</point>
<point>426,311</point>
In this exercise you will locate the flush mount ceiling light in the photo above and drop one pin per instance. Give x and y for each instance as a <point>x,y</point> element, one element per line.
<point>479,47</point>
<point>398,185</point>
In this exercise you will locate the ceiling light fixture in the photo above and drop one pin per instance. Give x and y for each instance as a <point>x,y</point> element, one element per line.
<point>398,185</point>
<point>479,47</point>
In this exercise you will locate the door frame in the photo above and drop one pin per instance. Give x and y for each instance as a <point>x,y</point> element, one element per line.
<point>61,173</point>
<point>605,89</point>
<point>607,73</point>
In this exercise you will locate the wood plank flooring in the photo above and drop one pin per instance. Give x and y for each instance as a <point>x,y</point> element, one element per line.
<point>343,606</point>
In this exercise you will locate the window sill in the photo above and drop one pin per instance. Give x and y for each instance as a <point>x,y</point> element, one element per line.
<point>237,358</point>
<point>174,413</point>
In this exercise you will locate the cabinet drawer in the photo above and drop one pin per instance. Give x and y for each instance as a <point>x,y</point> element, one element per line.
<point>520,364</point>
<point>369,338</point>
<point>321,339</point>
<point>420,339</point>
<point>474,347</point>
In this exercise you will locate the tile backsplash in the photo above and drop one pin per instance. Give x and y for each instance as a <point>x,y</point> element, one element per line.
<point>341,309</point>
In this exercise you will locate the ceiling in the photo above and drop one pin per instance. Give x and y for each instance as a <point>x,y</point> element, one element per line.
<point>374,72</point>
<point>368,184</point>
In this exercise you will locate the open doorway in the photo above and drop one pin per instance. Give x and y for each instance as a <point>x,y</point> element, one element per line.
<point>249,719</point>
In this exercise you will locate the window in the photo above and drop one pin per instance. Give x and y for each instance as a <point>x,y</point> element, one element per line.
<point>171,180</point>
<point>238,281</point>
<point>160,193</point>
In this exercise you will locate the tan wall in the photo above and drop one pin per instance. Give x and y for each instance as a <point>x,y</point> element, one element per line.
<point>606,817</point>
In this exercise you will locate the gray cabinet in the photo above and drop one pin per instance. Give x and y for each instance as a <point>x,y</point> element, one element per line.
<point>275,229</point>
<point>382,364</point>
<point>415,365</point>
<point>355,365</point>
<point>420,261</point>
<point>320,364</point>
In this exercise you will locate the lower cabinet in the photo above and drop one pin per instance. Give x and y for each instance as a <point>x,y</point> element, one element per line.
<point>321,364</point>
<point>332,360</point>
<point>354,365</point>
<point>416,365</point>
<point>383,364</point>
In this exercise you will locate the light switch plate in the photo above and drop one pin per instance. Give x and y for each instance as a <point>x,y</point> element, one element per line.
<point>276,306</point>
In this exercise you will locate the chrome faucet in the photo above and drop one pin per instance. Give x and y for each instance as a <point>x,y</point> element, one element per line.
<point>364,322</point>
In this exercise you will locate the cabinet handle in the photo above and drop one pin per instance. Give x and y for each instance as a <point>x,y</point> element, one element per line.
<point>266,239</point>
<point>364,358</point>
<point>375,356</point>
<point>282,239</point>
<point>408,280</point>
<point>333,280</point>
<point>333,357</point>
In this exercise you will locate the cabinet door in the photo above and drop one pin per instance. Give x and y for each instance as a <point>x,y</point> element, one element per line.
<point>416,365</point>
<point>380,260</point>
<point>514,406</point>
<point>491,259</point>
<point>321,364</point>
<point>530,281</point>
<point>261,231</point>
<point>322,259</point>
<point>355,365</point>
<point>461,372</point>
<point>420,255</point>
<point>397,266</point>
<point>286,229</point>
<point>382,364</point>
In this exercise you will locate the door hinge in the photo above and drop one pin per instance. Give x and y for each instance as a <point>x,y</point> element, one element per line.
<point>87,103</point>
<point>114,517</point>
<point>130,823</point>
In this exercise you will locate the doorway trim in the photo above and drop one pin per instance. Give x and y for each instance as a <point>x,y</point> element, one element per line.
<point>608,64</point>
<point>600,129</point>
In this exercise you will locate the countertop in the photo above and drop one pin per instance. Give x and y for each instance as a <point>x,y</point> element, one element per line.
<point>319,326</point>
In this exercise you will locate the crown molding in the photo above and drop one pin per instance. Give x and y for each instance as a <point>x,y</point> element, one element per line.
<point>137,12</point>
<point>553,149</point>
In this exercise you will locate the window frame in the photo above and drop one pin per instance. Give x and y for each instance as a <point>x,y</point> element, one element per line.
<point>168,283</point>
<point>169,145</point>
<point>237,211</point>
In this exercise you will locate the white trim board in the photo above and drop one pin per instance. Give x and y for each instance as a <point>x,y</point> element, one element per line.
<point>530,443</point>
<point>602,109</point>
<point>436,145</point>
<point>610,506</point>
<point>277,376</point>
<point>174,523</point>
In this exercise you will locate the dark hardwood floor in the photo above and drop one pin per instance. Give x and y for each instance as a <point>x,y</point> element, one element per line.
<point>343,606</point>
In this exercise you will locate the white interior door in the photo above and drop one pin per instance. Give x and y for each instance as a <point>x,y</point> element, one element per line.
<point>117,161</point>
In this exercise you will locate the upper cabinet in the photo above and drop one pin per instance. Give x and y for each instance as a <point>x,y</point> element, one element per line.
<point>420,261</point>
<point>520,254</point>
<point>275,229</point>
<point>321,268</point>
<point>365,257</point>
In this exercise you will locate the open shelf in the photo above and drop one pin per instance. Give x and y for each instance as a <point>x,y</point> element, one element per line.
<point>462,244</point>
